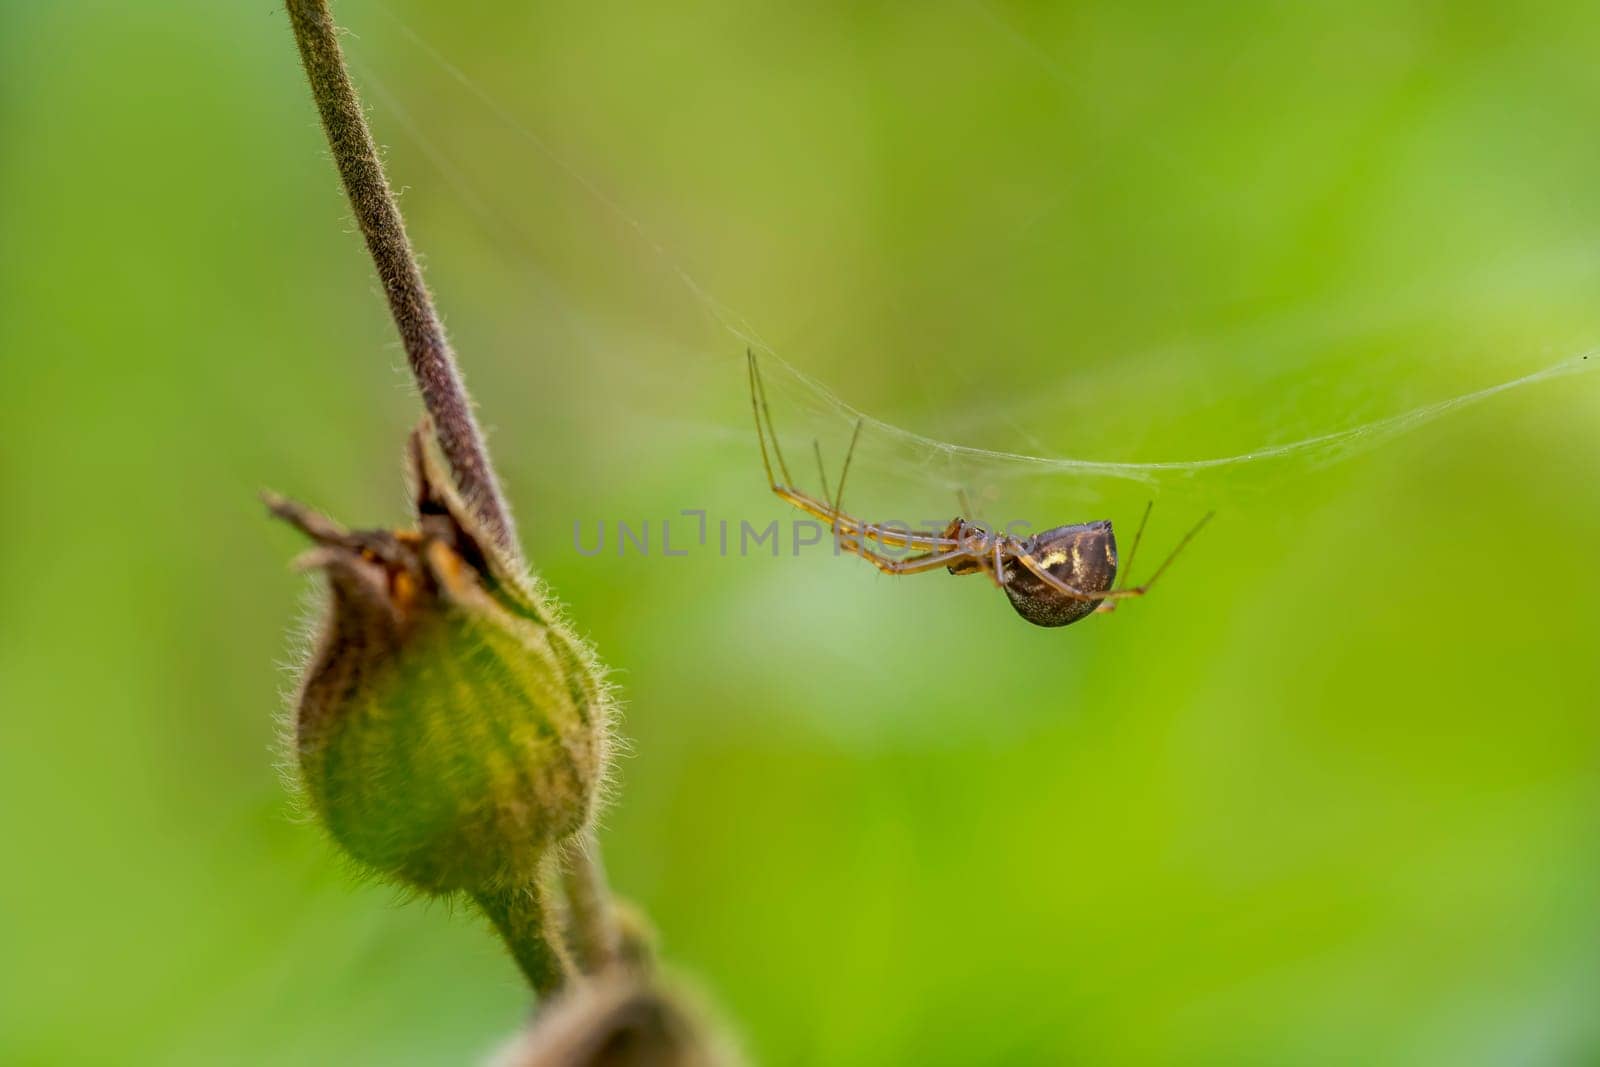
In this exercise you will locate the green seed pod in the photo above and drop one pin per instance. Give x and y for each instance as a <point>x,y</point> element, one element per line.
<point>449,728</point>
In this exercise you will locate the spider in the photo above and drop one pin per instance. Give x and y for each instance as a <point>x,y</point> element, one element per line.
<point>1053,578</point>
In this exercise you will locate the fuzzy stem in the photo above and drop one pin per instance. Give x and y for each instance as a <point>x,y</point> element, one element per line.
<point>522,918</point>
<point>594,925</point>
<point>519,917</point>
<point>433,364</point>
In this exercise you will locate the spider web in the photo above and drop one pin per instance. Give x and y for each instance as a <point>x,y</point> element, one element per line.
<point>952,463</point>
<point>809,413</point>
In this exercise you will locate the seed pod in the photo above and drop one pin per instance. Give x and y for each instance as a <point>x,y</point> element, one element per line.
<point>621,1019</point>
<point>449,728</point>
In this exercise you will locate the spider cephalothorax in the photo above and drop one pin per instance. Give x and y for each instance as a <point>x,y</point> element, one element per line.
<point>1052,579</point>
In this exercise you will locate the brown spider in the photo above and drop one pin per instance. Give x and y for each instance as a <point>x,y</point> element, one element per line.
<point>1052,578</point>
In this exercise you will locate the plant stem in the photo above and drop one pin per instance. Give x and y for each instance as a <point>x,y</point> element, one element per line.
<point>523,921</point>
<point>518,916</point>
<point>433,364</point>
<point>594,925</point>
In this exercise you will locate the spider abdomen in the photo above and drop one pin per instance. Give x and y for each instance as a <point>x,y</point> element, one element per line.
<point>1083,557</point>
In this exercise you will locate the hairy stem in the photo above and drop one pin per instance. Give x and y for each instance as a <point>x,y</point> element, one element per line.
<point>433,364</point>
<point>522,918</point>
<point>519,916</point>
<point>594,925</point>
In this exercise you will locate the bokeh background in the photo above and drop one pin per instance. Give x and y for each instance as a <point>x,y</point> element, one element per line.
<point>1330,797</point>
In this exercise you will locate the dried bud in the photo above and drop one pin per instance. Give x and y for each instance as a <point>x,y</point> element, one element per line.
<point>620,1019</point>
<point>636,937</point>
<point>449,728</point>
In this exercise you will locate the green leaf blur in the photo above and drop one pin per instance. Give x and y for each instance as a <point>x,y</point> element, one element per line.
<point>1329,796</point>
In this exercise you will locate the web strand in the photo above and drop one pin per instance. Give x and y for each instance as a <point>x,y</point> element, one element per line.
<point>930,454</point>
<point>1326,447</point>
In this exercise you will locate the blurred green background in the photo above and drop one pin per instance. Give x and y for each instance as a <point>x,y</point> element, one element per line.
<point>1330,797</point>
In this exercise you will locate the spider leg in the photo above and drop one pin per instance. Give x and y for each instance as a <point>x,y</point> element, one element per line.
<point>850,526</point>
<point>822,471</point>
<point>918,564</point>
<point>844,472</point>
<point>758,405</point>
<point>1138,535</point>
<point>1179,547</point>
<point>818,509</point>
<point>1028,560</point>
<point>840,522</point>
